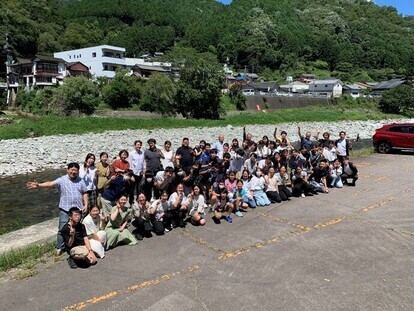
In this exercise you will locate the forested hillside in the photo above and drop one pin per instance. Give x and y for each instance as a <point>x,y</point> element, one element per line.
<point>348,39</point>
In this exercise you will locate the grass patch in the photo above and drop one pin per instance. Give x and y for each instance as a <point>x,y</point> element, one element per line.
<point>363,152</point>
<point>25,258</point>
<point>54,125</point>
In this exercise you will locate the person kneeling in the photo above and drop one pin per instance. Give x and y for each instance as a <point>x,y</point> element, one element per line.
<point>76,240</point>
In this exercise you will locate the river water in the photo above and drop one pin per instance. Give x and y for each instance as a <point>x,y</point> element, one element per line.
<point>20,207</point>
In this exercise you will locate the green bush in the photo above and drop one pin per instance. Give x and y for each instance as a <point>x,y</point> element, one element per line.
<point>399,100</point>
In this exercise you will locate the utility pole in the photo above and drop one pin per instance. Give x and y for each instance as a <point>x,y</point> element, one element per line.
<point>9,61</point>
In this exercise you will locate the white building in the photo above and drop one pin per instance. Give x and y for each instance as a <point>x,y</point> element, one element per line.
<point>328,87</point>
<point>101,60</point>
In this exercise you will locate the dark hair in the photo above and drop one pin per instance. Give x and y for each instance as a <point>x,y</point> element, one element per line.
<point>240,152</point>
<point>137,141</point>
<point>73,164</point>
<point>167,142</point>
<point>283,132</point>
<point>239,181</point>
<point>185,138</point>
<point>93,206</point>
<point>169,169</point>
<point>254,155</point>
<point>74,210</point>
<point>227,155</point>
<point>151,140</point>
<point>88,156</point>
<point>342,132</point>
<point>207,144</point>
<point>122,151</point>
<point>102,154</point>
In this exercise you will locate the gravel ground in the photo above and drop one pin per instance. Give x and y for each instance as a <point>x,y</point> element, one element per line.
<point>21,156</point>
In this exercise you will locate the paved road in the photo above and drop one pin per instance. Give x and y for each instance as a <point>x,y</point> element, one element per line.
<point>351,249</point>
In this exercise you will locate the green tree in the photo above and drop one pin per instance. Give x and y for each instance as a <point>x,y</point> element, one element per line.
<point>123,91</point>
<point>399,100</point>
<point>78,94</point>
<point>199,90</point>
<point>158,95</point>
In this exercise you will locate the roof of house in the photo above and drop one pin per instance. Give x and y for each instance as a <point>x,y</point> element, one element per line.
<point>390,84</point>
<point>47,59</point>
<point>262,85</point>
<point>308,75</point>
<point>72,64</point>
<point>354,87</point>
<point>152,68</point>
<point>326,81</point>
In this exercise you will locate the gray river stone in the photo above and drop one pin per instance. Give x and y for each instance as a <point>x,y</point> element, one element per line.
<point>21,156</point>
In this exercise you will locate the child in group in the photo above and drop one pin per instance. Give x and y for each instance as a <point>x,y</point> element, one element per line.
<point>195,204</point>
<point>222,205</point>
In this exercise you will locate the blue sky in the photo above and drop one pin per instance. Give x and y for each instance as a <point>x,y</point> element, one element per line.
<point>405,7</point>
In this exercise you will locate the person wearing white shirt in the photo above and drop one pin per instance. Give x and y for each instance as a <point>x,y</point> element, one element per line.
<point>136,163</point>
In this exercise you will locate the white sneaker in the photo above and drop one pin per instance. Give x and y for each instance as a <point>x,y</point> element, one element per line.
<point>302,195</point>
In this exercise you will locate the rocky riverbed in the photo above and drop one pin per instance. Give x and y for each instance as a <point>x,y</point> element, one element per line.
<point>22,156</point>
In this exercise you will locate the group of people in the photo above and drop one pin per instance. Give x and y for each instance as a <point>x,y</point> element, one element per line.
<point>158,189</point>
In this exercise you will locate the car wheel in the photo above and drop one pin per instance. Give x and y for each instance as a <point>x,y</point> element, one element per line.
<point>384,147</point>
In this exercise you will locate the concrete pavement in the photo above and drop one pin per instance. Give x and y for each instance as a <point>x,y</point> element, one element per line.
<point>351,249</point>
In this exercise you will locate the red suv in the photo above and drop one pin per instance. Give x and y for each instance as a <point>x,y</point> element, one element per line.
<point>394,136</point>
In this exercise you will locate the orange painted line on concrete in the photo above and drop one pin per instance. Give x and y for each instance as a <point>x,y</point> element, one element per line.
<point>258,245</point>
<point>282,220</point>
<point>381,178</point>
<point>144,284</point>
<point>185,232</point>
<point>363,164</point>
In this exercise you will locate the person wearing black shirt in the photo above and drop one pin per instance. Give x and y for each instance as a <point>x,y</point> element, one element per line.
<point>76,240</point>
<point>185,155</point>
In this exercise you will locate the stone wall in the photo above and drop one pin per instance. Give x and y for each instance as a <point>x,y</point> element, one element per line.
<point>278,102</point>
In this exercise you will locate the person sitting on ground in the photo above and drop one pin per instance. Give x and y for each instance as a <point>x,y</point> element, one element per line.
<point>283,181</point>
<point>295,160</point>
<point>116,229</point>
<point>76,240</point>
<point>350,171</point>
<point>318,178</point>
<point>257,184</point>
<point>300,185</point>
<point>215,190</point>
<point>141,221</point>
<point>177,211</point>
<point>222,205</point>
<point>240,199</point>
<point>158,212</point>
<point>272,189</point>
<point>96,236</point>
<point>336,172</point>
<point>247,187</point>
<point>195,204</point>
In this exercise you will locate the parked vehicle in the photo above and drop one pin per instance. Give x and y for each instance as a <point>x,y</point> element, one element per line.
<point>394,136</point>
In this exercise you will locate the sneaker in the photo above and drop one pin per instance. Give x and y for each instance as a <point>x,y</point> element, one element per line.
<point>239,214</point>
<point>72,263</point>
<point>167,229</point>
<point>59,252</point>
<point>302,195</point>
<point>229,219</point>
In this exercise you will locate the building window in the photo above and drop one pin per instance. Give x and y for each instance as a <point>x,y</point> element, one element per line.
<point>106,67</point>
<point>80,55</point>
<point>94,54</point>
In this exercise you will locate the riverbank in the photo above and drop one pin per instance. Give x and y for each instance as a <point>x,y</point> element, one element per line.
<point>23,156</point>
